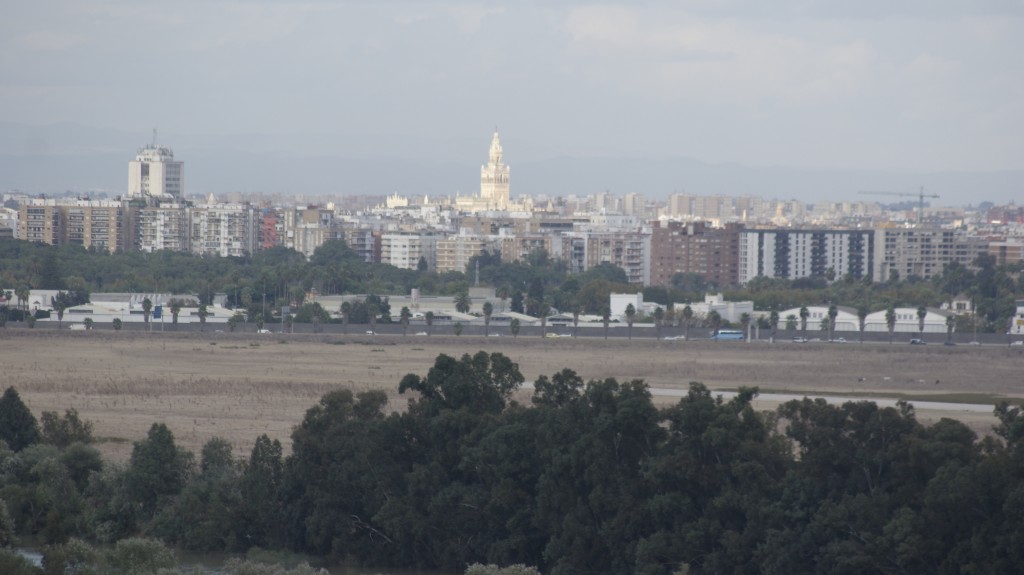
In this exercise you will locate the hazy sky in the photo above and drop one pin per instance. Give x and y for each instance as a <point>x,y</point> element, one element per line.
<point>921,84</point>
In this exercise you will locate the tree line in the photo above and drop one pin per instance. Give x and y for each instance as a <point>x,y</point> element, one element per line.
<point>589,477</point>
<point>258,285</point>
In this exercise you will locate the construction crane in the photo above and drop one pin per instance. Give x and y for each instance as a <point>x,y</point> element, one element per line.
<point>919,195</point>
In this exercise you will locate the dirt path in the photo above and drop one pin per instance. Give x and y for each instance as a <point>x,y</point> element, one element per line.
<point>237,387</point>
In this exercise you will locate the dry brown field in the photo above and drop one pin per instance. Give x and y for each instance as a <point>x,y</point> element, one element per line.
<point>238,386</point>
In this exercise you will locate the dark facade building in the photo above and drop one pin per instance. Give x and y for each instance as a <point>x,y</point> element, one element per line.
<point>696,248</point>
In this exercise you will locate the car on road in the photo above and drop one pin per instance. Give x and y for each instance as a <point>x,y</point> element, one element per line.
<point>799,339</point>
<point>839,340</point>
<point>420,333</point>
<point>675,338</point>
<point>1017,343</point>
<point>916,341</point>
<point>370,332</point>
<point>263,331</point>
<point>974,343</point>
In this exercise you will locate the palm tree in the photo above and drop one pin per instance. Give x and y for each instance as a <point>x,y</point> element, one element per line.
<point>630,317</point>
<point>463,302</point>
<point>688,319</point>
<point>714,320</point>
<point>605,318</point>
<point>804,314</point>
<point>429,316</point>
<point>950,324</point>
<point>922,311</point>
<point>576,310</point>
<point>514,326</point>
<point>59,306</point>
<point>833,312</point>
<point>147,307</point>
<point>404,316</point>
<point>346,312</point>
<point>8,295</point>
<point>175,310</point>
<point>488,310</point>
<point>659,317</point>
<point>543,309</point>
<point>503,293</point>
<point>862,320</point>
<point>457,328</point>
<point>23,291</point>
<point>773,320</point>
<point>890,321</point>
<point>791,322</point>
<point>745,321</point>
<point>88,323</point>
<point>202,317</point>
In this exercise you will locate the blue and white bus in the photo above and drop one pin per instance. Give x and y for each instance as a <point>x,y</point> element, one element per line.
<point>729,334</point>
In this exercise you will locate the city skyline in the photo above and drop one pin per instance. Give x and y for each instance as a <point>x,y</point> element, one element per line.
<point>77,159</point>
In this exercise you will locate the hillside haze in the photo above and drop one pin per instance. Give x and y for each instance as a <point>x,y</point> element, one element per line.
<point>71,157</point>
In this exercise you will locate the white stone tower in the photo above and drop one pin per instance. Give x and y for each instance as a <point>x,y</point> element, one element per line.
<point>494,178</point>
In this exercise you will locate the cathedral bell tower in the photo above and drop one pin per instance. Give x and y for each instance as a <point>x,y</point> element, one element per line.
<point>494,178</point>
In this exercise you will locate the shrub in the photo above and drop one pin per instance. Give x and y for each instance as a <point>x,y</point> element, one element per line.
<point>63,431</point>
<point>138,556</point>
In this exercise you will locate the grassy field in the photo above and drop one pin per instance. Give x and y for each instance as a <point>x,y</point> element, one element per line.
<point>239,386</point>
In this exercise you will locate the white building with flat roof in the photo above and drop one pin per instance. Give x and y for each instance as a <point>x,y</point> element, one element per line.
<point>405,250</point>
<point>224,229</point>
<point>1017,323</point>
<point>154,173</point>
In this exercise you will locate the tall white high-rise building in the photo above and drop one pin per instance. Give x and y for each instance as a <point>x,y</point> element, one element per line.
<point>154,173</point>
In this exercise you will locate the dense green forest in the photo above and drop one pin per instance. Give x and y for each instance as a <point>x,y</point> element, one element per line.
<point>589,478</point>
<point>259,284</point>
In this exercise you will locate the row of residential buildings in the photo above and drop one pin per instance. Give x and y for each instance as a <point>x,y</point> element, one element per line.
<point>651,253</point>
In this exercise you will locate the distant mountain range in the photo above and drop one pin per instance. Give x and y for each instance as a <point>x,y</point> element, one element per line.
<point>70,157</point>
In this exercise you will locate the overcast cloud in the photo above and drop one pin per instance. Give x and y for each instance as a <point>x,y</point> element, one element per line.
<point>921,85</point>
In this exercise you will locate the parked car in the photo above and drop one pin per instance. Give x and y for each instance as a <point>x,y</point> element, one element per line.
<point>839,340</point>
<point>370,332</point>
<point>917,342</point>
<point>799,339</point>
